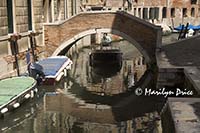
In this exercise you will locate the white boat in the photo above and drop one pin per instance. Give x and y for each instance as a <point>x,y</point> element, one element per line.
<point>54,68</point>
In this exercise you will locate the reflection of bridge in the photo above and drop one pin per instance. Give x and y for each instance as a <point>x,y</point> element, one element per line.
<point>145,36</point>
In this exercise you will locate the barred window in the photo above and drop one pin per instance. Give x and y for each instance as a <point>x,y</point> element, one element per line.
<point>10,16</point>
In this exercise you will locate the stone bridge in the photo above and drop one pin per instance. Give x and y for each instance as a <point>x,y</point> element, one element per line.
<point>145,36</point>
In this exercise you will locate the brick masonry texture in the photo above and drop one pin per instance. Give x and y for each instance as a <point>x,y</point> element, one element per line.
<point>3,18</point>
<point>145,35</point>
<point>38,13</point>
<point>21,11</point>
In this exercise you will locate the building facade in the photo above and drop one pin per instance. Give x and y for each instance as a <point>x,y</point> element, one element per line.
<point>170,12</point>
<point>22,19</point>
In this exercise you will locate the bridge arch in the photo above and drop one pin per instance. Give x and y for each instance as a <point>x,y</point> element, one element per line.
<point>103,30</point>
<point>144,35</point>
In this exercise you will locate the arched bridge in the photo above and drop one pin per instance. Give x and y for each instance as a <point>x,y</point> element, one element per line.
<point>144,35</point>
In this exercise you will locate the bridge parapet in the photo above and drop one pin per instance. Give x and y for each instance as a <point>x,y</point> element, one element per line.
<point>144,35</point>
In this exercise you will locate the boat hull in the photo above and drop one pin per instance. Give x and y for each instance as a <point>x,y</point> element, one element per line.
<point>15,91</point>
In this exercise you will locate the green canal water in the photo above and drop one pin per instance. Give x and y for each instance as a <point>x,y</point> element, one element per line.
<point>87,102</point>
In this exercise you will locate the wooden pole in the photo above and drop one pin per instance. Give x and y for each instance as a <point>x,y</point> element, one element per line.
<point>14,48</point>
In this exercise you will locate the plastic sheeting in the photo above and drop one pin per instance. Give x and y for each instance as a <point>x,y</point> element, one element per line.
<point>189,27</point>
<point>52,65</point>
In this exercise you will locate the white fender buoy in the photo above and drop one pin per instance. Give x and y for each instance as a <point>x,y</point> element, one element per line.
<point>32,93</point>
<point>4,110</point>
<point>65,72</point>
<point>36,90</point>
<point>27,96</point>
<point>16,105</point>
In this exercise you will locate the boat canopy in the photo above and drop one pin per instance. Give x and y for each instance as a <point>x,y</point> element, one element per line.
<point>51,65</point>
<point>189,27</point>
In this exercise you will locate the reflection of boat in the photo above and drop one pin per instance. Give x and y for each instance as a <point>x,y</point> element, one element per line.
<point>106,70</point>
<point>106,62</point>
<point>53,68</point>
<point>106,55</point>
<point>103,57</point>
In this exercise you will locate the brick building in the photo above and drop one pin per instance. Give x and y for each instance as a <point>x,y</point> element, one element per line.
<point>22,17</point>
<point>26,16</point>
<point>171,12</point>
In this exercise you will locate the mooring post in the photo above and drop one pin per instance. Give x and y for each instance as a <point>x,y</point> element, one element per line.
<point>14,49</point>
<point>33,43</point>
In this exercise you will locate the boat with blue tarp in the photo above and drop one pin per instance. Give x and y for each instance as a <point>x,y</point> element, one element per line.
<point>51,69</point>
<point>179,28</point>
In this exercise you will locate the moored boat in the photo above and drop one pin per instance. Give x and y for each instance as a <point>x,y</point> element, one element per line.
<point>104,57</point>
<point>14,91</point>
<point>53,69</point>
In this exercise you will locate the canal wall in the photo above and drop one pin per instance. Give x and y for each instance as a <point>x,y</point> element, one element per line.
<point>181,63</point>
<point>170,77</point>
<point>181,115</point>
<point>193,77</point>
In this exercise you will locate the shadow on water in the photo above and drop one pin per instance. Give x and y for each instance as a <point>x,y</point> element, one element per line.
<point>96,101</point>
<point>124,105</point>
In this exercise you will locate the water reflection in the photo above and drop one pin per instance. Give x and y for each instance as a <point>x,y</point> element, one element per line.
<point>100,118</point>
<point>87,101</point>
<point>108,79</point>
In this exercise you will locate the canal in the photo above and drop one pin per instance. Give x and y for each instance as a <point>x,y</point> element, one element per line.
<point>91,102</point>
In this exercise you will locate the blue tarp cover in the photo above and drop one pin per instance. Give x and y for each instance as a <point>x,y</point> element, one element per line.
<point>52,65</point>
<point>189,27</point>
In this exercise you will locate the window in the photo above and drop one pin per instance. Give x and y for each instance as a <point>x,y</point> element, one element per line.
<point>172,12</point>
<point>164,12</point>
<point>192,12</point>
<point>156,9</point>
<point>139,12</point>
<point>29,15</point>
<point>151,13</point>
<point>193,1</point>
<point>10,16</point>
<point>145,13</point>
<point>184,12</point>
<point>135,10</point>
<point>73,5</point>
<point>199,12</point>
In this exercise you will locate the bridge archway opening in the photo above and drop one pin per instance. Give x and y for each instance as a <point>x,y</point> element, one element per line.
<point>65,46</point>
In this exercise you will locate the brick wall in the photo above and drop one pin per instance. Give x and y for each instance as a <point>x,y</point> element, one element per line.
<point>21,11</point>
<point>3,18</point>
<point>144,33</point>
<point>114,3</point>
<point>38,14</point>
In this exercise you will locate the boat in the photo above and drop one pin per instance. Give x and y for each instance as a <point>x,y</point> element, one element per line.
<point>51,69</point>
<point>105,56</point>
<point>183,27</point>
<point>14,91</point>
